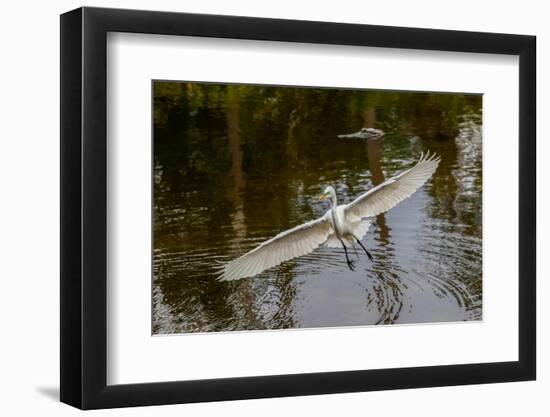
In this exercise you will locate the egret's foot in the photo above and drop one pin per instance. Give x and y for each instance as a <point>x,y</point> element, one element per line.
<point>351,265</point>
<point>370,257</point>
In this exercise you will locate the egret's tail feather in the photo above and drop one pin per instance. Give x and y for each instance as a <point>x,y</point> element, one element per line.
<point>360,229</point>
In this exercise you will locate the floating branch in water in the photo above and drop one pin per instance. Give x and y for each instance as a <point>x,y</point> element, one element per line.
<point>367,133</point>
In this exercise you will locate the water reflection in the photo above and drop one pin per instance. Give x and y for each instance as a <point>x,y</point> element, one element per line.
<point>235,165</point>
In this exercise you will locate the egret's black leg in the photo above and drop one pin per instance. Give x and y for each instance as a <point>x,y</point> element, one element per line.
<point>350,263</point>
<point>365,249</point>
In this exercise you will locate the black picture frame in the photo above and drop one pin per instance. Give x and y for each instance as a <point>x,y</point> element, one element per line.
<point>84,207</point>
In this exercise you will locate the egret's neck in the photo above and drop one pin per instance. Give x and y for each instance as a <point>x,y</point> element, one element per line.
<point>333,201</point>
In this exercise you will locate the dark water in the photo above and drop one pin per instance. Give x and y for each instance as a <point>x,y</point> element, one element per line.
<point>235,165</point>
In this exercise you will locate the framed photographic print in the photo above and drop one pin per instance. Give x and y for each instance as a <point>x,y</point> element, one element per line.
<point>257,208</point>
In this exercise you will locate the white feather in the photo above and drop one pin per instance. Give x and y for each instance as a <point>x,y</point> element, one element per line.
<point>290,244</point>
<point>385,196</point>
<point>360,229</point>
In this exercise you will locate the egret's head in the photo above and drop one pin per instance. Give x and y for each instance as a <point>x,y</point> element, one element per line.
<point>327,194</point>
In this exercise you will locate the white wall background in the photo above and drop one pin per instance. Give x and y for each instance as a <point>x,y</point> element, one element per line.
<point>29,226</point>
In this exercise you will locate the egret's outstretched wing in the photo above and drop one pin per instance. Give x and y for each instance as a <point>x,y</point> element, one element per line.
<point>391,192</point>
<point>292,243</point>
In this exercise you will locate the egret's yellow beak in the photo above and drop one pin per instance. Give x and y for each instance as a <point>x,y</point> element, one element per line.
<point>322,197</point>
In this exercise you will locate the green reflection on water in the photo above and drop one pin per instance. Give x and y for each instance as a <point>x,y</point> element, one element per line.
<point>237,164</point>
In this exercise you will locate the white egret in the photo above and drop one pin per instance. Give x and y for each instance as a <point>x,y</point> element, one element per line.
<point>341,225</point>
